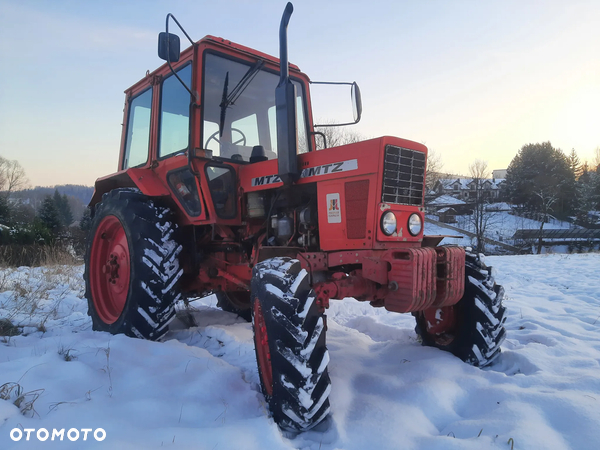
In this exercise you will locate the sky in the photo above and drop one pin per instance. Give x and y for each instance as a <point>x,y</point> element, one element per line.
<point>469,79</point>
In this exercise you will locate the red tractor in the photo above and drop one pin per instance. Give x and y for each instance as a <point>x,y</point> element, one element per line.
<point>221,189</point>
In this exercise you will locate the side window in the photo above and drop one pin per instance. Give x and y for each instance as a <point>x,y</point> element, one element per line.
<point>138,130</point>
<point>175,113</point>
<point>221,181</point>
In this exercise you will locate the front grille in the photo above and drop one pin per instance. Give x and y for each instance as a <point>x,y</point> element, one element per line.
<point>403,176</point>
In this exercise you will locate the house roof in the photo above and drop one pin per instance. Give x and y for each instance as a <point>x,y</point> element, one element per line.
<point>465,183</point>
<point>446,209</point>
<point>445,200</point>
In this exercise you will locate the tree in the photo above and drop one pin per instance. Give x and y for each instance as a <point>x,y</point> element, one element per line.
<point>64,209</point>
<point>547,198</point>
<point>596,160</point>
<point>336,136</point>
<point>12,176</point>
<point>85,224</point>
<point>541,168</point>
<point>5,215</point>
<point>49,215</point>
<point>575,164</point>
<point>588,192</point>
<point>434,169</point>
<point>481,218</point>
<point>22,213</point>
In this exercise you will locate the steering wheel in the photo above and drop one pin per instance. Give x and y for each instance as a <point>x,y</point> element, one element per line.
<point>215,135</point>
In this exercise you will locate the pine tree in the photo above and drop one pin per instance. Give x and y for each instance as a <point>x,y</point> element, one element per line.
<point>86,220</point>
<point>66,213</point>
<point>5,216</point>
<point>64,209</point>
<point>575,164</point>
<point>49,215</point>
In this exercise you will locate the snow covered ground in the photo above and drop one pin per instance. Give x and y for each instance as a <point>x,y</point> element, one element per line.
<point>199,389</point>
<point>502,225</point>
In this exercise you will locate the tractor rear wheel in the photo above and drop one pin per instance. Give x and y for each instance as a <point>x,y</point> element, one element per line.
<point>236,303</point>
<point>473,329</point>
<point>132,266</point>
<point>289,339</point>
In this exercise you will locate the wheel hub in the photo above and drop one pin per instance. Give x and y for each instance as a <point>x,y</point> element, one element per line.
<point>109,269</point>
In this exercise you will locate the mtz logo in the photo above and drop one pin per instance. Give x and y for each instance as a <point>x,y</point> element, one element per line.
<point>325,169</point>
<point>269,179</point>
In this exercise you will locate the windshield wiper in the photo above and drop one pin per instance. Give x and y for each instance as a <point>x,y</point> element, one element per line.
<point>230,99</point>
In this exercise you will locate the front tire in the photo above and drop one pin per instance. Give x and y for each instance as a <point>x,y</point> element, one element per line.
<point>289,339</point>
<point>132,266</point>
<point>473,329</point>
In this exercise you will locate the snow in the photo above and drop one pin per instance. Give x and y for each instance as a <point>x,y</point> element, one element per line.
<point>200,388</point>
<point>445,200</point>
<point>503,225</point>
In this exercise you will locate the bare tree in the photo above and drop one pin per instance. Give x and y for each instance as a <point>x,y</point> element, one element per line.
<point>596,160</point>
<point>336,136</point>
<point>548,197</point>
<point>481,217</point>
<point>12,176</point>
<point>434,169</point>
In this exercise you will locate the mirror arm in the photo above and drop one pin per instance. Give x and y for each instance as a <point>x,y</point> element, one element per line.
<point>315,133</point>
<point>336,124</point>
<point>168,43</point>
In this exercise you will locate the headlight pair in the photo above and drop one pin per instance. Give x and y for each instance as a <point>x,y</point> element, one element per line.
<point>389,224</point>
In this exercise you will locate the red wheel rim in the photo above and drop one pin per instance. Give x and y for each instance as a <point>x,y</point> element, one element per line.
<point>441,324</point>
<point>109,269</point>
<point>263,354</point>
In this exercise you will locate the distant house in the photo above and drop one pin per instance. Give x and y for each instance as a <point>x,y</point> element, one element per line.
<point>447,215</point>
<point>466,188</point>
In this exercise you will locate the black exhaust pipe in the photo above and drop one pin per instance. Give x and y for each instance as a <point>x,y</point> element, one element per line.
<point>285,102</point>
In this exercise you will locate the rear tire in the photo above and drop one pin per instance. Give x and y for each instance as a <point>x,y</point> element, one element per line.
<point>476,323</point>
<point>289,338</point>
<point>132,266</point>
<point>235,302</point>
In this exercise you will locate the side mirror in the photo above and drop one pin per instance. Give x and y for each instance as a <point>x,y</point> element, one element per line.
<point>356,102</point>
<point>355,98</point>
<point>168,47</point>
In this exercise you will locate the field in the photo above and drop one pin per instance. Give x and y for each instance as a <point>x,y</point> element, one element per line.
<point>199,388</point>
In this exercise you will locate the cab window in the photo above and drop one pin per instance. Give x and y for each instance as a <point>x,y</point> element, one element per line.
<point>175,113</point>
<point>138,130</point>
<point>239,109</point>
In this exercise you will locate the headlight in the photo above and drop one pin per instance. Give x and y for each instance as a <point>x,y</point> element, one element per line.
<point>388,223</point>
<point>414,224</point>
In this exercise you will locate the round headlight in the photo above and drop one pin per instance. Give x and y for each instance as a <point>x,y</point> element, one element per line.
<point>388,223</point>
<point>414,224</point>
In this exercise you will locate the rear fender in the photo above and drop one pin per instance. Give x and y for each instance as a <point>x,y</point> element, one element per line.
<point>143,179</point>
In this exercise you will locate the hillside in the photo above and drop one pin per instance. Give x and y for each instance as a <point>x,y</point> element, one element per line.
<point>79,196</point>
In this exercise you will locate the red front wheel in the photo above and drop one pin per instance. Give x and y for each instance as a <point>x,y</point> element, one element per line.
<point>289,339</point>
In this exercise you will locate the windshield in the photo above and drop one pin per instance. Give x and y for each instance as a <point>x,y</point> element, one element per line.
<point>241,98</point>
